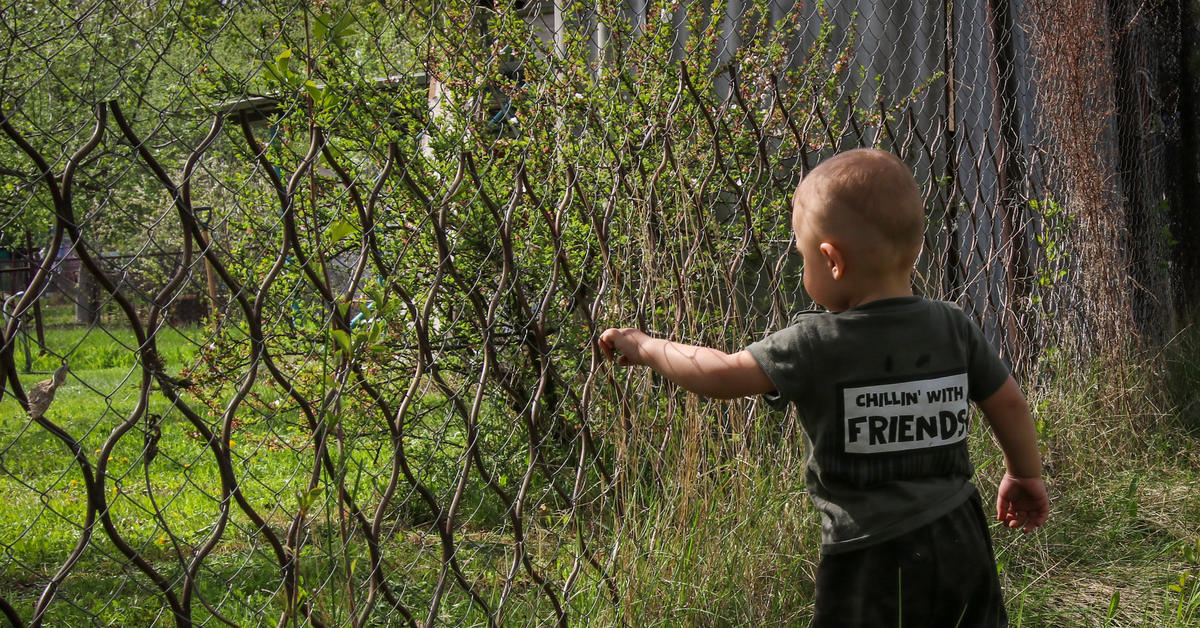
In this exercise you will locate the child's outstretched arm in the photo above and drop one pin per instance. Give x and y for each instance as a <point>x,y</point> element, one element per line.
<point>1021,501</point>
<point>704,371</point>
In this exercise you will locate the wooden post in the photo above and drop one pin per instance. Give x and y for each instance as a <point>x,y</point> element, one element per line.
<point>87,306</point>
<point>1009,173</point>
<point>954,277</point>
<point>210,275</point>
<point>203,215</point>
<point>37,303</point>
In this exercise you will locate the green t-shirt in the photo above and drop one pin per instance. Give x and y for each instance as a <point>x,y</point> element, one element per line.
<point>882,392</point>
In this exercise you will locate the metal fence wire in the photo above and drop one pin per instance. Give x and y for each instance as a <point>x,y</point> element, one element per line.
<point>327,277</point>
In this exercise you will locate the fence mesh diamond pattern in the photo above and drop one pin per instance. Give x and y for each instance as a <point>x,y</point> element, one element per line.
<point>326,279</point>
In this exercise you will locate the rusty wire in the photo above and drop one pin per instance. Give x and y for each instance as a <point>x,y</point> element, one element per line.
<point>389,267</point>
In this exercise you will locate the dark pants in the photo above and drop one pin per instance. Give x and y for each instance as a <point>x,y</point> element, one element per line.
<point>943,574</point>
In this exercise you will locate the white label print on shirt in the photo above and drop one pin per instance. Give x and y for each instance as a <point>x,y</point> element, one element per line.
<point>901,416</point>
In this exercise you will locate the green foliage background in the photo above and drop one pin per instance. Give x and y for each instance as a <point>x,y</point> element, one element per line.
<point>417,218</point>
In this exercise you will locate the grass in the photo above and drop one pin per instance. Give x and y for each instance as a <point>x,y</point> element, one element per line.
<point>743,554</point>
<point>717,529</point>
<point>45,505</point>
<point>1124,471</point>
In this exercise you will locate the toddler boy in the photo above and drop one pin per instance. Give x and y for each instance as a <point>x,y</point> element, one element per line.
<point>881,382</point>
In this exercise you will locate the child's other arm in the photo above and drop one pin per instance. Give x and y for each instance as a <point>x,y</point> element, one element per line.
<point>704,371</point>
<point>1021,501</point>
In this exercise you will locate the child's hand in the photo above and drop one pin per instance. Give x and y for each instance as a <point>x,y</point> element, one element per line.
<point>623,345</point>
<point>702,370</point>
<point>1022,502</point>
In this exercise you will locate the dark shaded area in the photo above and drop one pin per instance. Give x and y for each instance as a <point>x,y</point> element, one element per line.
<point>1183,157</point>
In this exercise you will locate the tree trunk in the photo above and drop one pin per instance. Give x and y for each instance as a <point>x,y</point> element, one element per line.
<point>87,305</point>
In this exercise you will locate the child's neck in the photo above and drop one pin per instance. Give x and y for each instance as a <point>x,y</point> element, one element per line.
<point>890,288</point>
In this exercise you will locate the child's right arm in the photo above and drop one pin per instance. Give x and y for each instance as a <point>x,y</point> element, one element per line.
<point>1021,501</point>
<point>702,370</point>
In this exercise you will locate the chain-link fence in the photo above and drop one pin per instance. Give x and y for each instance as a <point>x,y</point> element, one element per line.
<point>327,278</point>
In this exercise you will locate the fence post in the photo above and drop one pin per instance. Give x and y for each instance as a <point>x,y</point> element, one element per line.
<point>87,310</point>
<point>953,277</point>
<point>203,215</point>
<point>37,303</point>
<point>1009,173</point>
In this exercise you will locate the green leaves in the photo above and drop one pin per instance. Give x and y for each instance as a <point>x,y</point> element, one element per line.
<point>340,229</point>
<point>366,329</point>
<point>334,31</point>
<point>342,340</point>
<point>1052,238</point>
<point>317,93</point>
<point>281,70</point>
<point>1179,586</point>
<point>305,500</point>
<point>1191,552</point>
<point>1114,604</point>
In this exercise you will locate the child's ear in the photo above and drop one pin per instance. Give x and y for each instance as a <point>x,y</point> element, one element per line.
<point>834,259</point>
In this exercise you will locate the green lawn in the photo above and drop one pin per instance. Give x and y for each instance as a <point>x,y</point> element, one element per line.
<point>168,508</point>
<point>735,545</point>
